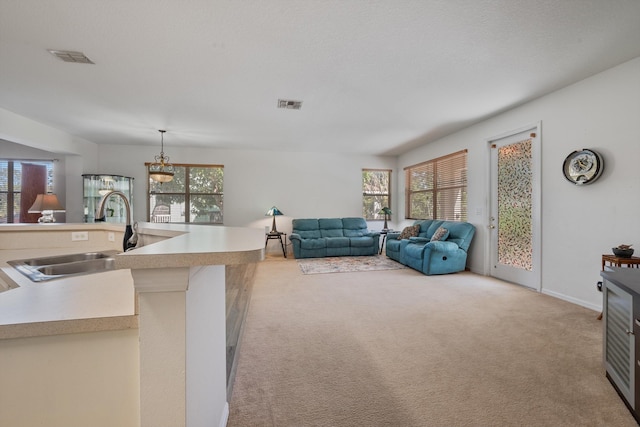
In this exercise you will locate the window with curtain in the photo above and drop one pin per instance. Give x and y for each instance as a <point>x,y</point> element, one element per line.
<point>376,192</point>
<point>22,177</point>
<point>437,189</point>
<point>194,195</point>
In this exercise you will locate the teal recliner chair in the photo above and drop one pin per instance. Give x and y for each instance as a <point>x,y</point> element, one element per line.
<point>448,255</point>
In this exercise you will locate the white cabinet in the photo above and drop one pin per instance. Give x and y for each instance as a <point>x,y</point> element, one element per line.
<point>97,185</point>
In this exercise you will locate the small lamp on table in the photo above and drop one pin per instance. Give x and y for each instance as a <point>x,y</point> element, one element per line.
<point>46,204</point>
<point>273,212</point>
<point>386,211</point>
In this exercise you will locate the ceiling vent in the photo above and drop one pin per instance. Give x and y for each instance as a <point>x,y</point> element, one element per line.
<point>290,105</point>
<point>70,56</point>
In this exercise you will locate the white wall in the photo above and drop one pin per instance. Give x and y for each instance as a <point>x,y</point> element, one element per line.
<point>579,224</point>
<point>301,185</point>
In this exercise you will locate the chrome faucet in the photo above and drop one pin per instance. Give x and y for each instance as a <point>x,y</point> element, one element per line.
<point>130,236</point>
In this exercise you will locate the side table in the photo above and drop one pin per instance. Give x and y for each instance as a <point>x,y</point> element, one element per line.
<point>277,235</point>
<point>383,233</point>
<point>616,261</point>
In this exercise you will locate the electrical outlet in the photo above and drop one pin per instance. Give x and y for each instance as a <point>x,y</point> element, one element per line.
<point>111,236</point>
<point>79,235</point>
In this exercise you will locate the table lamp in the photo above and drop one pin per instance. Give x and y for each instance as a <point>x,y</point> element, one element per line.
<point>46,204</point>
<point>273,212</point>
<point>386,211</point>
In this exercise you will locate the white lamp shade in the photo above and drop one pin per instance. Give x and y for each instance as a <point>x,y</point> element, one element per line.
<point>46,202</point>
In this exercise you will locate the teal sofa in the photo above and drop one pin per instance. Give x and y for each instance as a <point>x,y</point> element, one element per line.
<point>448,255</point>
<point>324,237</point>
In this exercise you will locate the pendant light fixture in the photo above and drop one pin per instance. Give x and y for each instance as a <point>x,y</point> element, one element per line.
<point>161,170</point>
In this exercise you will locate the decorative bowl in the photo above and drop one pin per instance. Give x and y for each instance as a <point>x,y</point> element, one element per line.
<point>622,253</point>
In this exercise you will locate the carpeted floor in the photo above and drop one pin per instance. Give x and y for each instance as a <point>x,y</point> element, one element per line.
<point>347,264</point>
<point>397,348</point>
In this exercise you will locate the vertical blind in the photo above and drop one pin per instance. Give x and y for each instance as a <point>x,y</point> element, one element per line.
<point>437,189</point>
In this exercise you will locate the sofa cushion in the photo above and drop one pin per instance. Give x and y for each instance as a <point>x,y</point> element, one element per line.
<point>414,250</point>
<point>337,242</point>
<point>431,229</point>
<point>410,231</point>
<point>354,227</point>
<point>440,234</point>
<point>306,228</point>
<point>330,227</point>
<point>318,243</point>
<point>360,242</point>
<point>331,232</point>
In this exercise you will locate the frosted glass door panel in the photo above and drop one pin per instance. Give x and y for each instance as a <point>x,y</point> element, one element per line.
<point>514,220</point>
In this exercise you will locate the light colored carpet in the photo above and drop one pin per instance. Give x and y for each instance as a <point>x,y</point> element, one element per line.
<point>347,264</point>
<point>397,348</point>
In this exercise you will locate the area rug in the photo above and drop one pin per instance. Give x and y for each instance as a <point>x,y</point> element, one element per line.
<point>347,264</point>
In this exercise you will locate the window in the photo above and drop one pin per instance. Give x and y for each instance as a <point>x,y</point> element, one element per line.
<point>437,189</point>
<point>194,195</point>
<point>11,179</point>
<point>376,192</point>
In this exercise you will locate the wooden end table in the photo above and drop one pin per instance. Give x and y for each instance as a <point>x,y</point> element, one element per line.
<point>617,261</point>
<point>277,235</point>
<point>384,233</point>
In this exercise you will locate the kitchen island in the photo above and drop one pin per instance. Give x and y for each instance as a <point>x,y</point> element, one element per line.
<point>172,288</point>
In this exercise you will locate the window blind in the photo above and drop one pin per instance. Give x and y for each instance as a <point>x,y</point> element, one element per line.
<point>437,189</point>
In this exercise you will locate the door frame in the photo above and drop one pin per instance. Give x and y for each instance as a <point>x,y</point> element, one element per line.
<point>536,194</point>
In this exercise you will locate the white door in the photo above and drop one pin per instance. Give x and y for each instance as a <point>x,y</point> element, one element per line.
<point>514,221</point>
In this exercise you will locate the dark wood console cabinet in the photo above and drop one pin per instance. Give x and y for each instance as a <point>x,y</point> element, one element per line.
<point>621,315</point>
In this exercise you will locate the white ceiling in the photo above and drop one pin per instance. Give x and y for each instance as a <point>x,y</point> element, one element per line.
<point>376,77</point>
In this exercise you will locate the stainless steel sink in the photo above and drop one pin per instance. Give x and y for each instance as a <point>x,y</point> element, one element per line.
<point>78,267</point>
<point>63,259</point>
<point>57,267</point>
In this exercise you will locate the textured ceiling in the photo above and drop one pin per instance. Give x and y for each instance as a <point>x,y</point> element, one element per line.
<point>375,77</point>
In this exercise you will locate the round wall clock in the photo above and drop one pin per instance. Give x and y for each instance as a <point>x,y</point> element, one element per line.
<point>583,167</point>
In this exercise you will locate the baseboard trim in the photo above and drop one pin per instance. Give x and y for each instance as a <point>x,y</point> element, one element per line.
<point>573,300</point>
<point>225,415</point>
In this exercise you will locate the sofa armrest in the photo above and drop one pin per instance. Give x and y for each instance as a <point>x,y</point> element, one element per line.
<point>393,236</point>
<point>372,233</point>
<point>294,236</point>
<point>442,246</point>
<point>417,239</point>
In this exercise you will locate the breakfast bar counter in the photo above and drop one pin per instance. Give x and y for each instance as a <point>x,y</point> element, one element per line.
<point>106,300</point>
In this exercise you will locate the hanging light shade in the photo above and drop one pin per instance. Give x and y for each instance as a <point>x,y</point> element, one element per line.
<point>161,170</point>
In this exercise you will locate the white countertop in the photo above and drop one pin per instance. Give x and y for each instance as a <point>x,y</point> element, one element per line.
<point>104,301</point>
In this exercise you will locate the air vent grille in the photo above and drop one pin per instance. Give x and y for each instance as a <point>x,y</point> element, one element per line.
<point>289,104</point>
<point>70,56</point>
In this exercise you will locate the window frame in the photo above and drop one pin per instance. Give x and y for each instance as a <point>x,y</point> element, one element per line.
<point>451,183</point>
<point>377,216</point>
<point>11,192</point>
<point>187,194</point>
